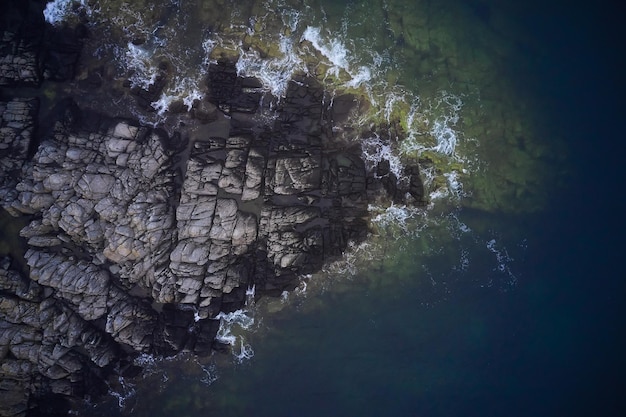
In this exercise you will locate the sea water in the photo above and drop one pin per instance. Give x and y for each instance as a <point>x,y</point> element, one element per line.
<point>468,306</point>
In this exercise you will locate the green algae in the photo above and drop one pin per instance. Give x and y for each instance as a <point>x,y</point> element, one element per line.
<point>501,154</point>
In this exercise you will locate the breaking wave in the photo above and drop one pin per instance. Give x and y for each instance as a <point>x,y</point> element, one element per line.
<point>57,11</point>
<point>274,73</point>
<point>233,326</point>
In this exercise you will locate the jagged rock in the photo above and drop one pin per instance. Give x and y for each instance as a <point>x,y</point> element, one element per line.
<point>41,337</point>
<point>137,244</point>
<point>232,176</point>
<point>295,175</point>
<point>255,166</point>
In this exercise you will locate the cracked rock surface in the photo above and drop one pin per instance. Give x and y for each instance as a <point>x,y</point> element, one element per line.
<point>138,238</point>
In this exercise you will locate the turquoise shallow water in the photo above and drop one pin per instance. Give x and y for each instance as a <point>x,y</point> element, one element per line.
<point>533,324</point>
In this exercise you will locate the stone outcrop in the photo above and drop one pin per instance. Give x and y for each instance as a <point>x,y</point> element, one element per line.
<point>45,345</point>
<point>138,238</point>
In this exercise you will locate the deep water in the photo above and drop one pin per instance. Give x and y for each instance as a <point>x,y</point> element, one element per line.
<point>421,336</point>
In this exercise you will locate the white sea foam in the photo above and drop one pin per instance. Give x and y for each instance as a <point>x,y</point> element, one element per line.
<point>455,187</point>
<point>245,351</point>
<point>291,18</point>
<point>150,365</point>
<point>464,261</point>
<point>456,226</point>
<point>210,374</point>
<point>303,285</point>
<point>57,11</point>
<point>207,47</point>
<point>185,90</point>
<point>452,191</point>
<point>395,216</point>
<point>231,326</point>
<point>392,98</point>
<point>139,60</point>
<point>334,50</point>
<point>145,360</point>
<point>502,260</point>
<point>444,135</point>
<point>348,265</point>
<point>337,54</point>
<point>440,118</point>
<point>443,126</point>
<point>125,392</point>
<point>274,73</point>
<point>184,86</point>
<point>375,150</point>
<point>239,318</point>
<point>363,75</point>
<point>250,292</point>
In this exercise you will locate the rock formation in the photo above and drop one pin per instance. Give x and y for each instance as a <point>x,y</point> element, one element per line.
<point>139,238</point>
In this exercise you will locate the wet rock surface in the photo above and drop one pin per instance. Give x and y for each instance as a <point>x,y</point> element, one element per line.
<point>139,238</point>
<point>31,51</point>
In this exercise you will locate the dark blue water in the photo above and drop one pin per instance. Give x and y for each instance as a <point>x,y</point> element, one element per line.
<point>551,345</point>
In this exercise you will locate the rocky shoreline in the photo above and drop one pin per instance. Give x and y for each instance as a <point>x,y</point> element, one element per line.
<point>139,236</point>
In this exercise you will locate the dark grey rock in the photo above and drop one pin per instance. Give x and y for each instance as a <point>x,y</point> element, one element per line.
<point>137,243</point>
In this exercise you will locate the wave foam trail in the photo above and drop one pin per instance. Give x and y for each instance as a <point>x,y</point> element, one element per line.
<point>363,75</point>
<point>151,365</point>
<point>210,374</point>
<point>291,18</point>
<point>275,73</point>
<point>442,129</point>
<point>186,90</point>
<point>334,50</point>
<point>337,53</point>
<point>57,10</point>
<point>139,59</point>
<point>503,259</point>
<point>245,352</point>
<point>445,137</point>
<point>125,392</point>
<point>455,187</point>
<point>347,266</point>
<point>395,216</point>
<point>375,150</point>
<point>228,322</point>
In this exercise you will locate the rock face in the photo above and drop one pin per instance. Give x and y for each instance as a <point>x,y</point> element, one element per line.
<point>255,208</point>
<point>45,345</point>
<point>138,240</point>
